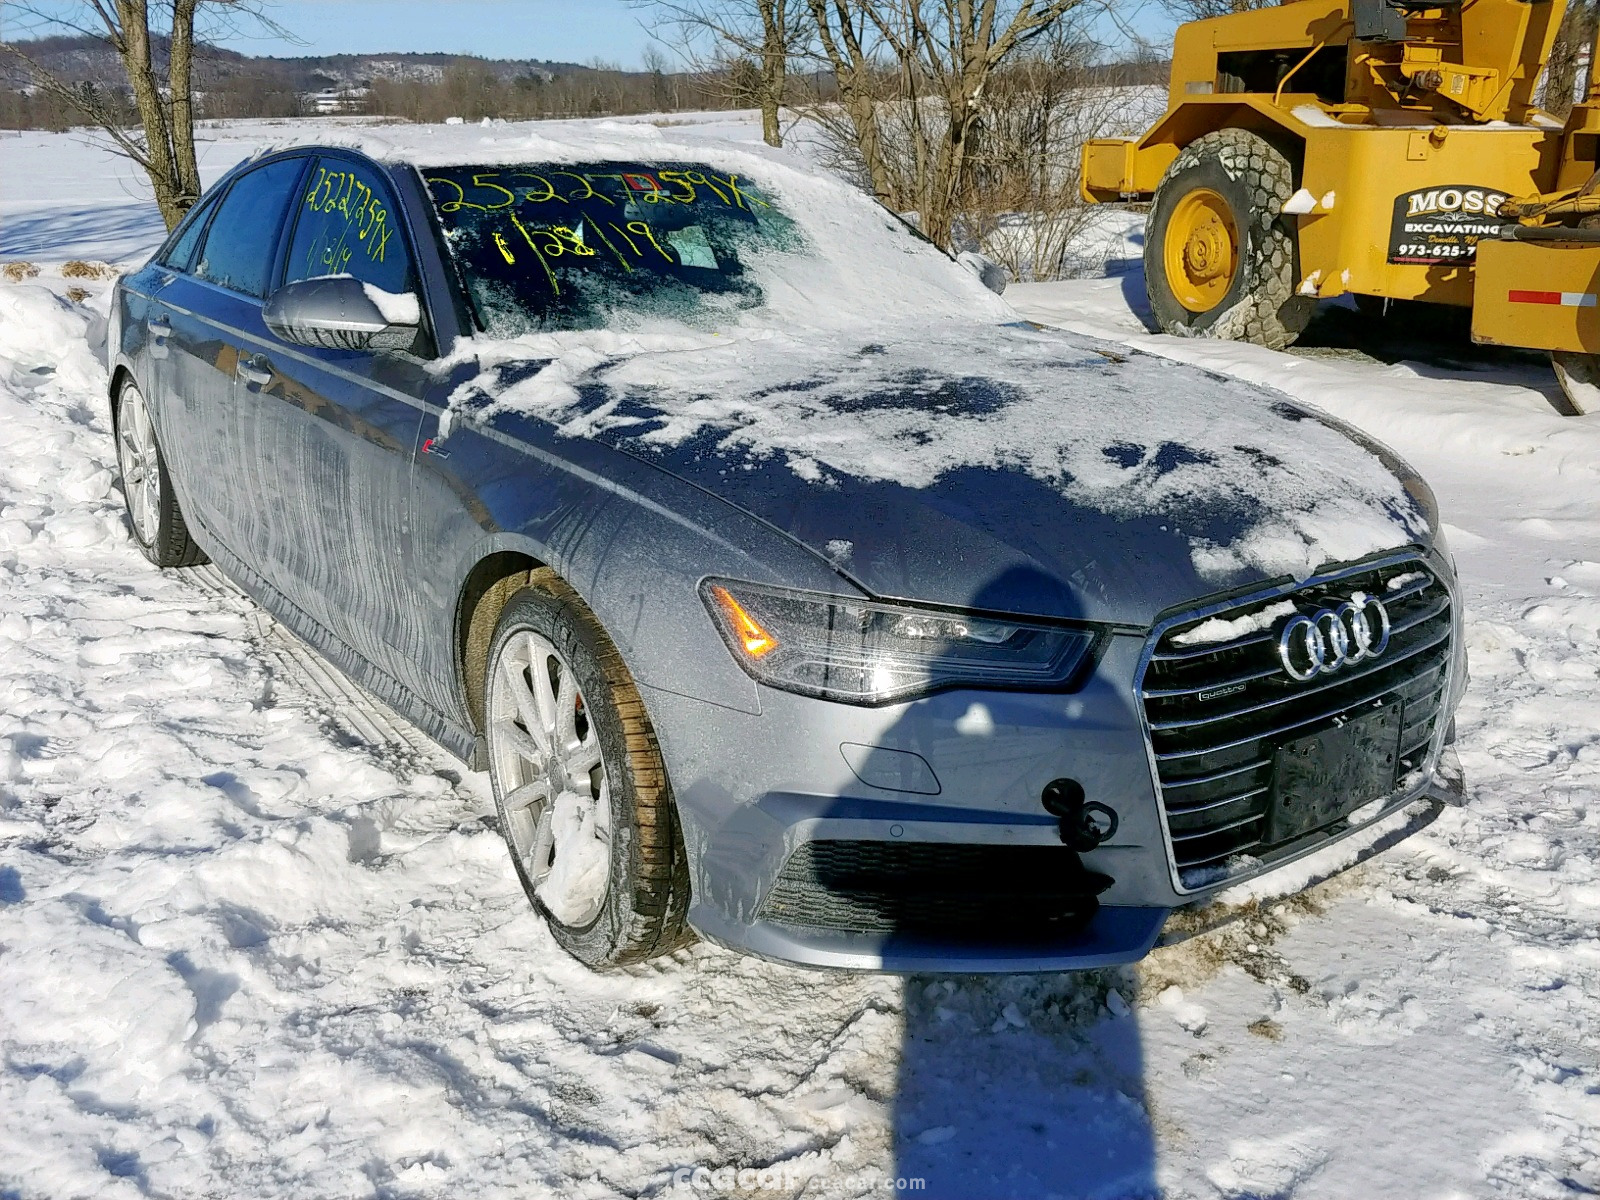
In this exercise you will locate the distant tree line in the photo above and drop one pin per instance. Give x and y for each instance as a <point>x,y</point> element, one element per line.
<point>468,89</point>
<point>248,95</point>
<point>473,91</point>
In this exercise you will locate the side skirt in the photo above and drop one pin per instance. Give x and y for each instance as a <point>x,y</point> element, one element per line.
<point>449,734</point>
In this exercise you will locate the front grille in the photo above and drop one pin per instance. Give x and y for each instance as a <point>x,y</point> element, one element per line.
<point>1218,710</point>
<point>933,888</point>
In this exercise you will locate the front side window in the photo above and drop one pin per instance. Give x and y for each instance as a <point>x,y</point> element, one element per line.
<point>239,246</point>
<point>346,223</point>
<point>545,247</point>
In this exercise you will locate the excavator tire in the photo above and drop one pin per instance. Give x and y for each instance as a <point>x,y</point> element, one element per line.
<point>1220,257</point>
<point>1579,376</point>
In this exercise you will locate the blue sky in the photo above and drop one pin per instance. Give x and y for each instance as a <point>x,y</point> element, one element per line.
<point>560,30</point>
<point>565,31</point>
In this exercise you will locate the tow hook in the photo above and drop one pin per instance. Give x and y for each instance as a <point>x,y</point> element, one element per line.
<point>1085,824</point>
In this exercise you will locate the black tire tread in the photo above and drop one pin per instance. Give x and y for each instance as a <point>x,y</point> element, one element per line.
<point>1268,312</point>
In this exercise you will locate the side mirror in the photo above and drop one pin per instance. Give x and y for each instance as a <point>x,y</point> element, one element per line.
<point>339,312</point>
<point>992,273</point>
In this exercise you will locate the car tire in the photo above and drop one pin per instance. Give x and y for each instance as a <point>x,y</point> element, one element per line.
<point>602,803</point>
<point>154,517</point>
<point>1220,258</point>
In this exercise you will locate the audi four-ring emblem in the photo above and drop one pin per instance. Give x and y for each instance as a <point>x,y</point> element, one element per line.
<point>1331,638</point>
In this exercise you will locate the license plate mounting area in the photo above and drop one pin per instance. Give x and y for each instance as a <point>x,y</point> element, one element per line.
<point>1329,774</point>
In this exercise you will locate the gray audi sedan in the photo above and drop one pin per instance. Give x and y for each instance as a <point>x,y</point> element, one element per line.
<point>792,591</point>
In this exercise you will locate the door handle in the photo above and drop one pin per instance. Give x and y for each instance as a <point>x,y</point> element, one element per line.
<point>255,371</point>
<point>160,332</point>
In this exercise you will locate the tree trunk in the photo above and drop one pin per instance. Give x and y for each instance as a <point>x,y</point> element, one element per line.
<point>135,19</point>
<point>970,62</point>
<point>863,110</point>
<point>1576,34</point>
<point>774,67</point>
<point>852,71</point>
<point>939,220</point>
<point>180,72</point>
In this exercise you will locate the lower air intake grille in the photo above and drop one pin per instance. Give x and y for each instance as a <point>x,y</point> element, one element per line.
<point>933,888</point>
<point>1220,705</point>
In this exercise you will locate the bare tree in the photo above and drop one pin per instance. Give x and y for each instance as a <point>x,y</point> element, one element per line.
<point>912,77</point>
<point>156,45</point>
<point>845,39</point>
<point>1573,42</point>
<point>719,36</point>
<point>1022,206</point>
<point>663,87</point>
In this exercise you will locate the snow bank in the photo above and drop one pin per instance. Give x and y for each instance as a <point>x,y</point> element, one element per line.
<point>42,333</point>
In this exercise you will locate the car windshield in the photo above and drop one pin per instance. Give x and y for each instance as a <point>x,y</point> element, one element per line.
<point>547,247</point>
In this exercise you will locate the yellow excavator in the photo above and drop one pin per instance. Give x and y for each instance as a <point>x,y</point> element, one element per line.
<point>1387,149</point>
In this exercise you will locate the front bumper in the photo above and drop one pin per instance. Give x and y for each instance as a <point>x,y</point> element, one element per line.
<point>961,769</point>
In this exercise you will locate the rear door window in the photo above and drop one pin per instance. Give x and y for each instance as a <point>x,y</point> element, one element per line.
<point>241,242</point>
<point>181,252</point>
<point>347,223</point>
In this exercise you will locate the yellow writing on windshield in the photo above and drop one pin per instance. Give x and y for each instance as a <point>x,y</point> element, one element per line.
<point>489,190</point>
<point>602,213</point>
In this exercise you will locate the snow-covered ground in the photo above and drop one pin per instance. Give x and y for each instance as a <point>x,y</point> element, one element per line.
<point>255,941</point>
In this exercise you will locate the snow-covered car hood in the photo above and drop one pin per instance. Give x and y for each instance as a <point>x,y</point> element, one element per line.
<point>1005,468</point>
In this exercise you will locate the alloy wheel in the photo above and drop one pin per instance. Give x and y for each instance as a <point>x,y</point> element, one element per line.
<point>138,459</point>
<point>550,777</point>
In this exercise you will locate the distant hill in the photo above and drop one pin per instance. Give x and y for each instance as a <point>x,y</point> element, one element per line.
<point>81,60</point>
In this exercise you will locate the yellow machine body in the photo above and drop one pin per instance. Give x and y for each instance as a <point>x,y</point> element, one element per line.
<point>1404,148</point>
<point>1538,295</point>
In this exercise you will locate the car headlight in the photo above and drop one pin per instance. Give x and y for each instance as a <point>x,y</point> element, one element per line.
<point>862,652</point>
